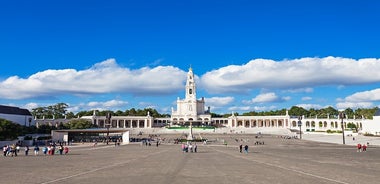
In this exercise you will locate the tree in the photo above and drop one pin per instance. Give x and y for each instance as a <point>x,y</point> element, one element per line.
<point>132,112</point>
<point>216,115</point>
<point>352,126</point>
<point>349,113</point>
<point>329,111</point>
<point>298,111</point>
<point>84,113</point>
<point>45,129</point>
<point>38,112</point>
<point>70,115</point>
<point>9,130</point>
<point>80,124</point>
<point>53,111</point>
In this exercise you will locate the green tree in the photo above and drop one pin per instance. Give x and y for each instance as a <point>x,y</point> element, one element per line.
<point>298,111</point>
<point>349,113</point>
<point>329,111</point>
<point>9,130</point>
<point>70,115</point>
<point>45,129</point>
<point>53,111</point>
<point>352,126</point>
<point>80,124</point>
<point>84,113</point>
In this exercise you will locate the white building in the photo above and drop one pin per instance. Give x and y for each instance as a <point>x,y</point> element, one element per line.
<point>191,109</point>
<point>16,115</point>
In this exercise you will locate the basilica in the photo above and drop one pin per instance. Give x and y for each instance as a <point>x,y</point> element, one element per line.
<point>192,110</point>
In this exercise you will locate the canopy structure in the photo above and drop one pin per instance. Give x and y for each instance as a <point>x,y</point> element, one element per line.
<point>66,135</point>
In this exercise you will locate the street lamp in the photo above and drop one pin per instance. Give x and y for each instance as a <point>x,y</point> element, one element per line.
<point>299,125</point>
<point>342,115</point>
<point>108,124</point>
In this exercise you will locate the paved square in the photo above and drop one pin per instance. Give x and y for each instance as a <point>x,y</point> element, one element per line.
<point>277,161</point>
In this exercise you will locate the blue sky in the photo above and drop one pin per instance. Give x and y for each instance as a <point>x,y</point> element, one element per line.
<point>247,55</point>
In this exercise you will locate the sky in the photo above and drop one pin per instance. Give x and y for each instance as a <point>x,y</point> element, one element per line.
<point>247,55</point>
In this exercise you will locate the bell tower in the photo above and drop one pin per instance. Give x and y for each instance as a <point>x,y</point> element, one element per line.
<point>190,86</point>
<point>190,109</point>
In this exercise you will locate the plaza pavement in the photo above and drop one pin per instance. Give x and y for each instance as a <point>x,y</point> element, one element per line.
<point>338,139</point>
<point>277,161</point>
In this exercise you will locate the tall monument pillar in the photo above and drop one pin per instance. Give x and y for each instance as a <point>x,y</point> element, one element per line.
<point>190,135</point>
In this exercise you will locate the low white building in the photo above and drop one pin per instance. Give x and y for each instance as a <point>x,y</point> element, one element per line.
<point>16,115</point>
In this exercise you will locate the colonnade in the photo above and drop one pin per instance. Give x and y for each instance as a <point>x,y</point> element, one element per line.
<point>260,122</point>
<point>124,122</point>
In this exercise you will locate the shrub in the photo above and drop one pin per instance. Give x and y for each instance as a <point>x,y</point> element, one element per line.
<point>368,134</point>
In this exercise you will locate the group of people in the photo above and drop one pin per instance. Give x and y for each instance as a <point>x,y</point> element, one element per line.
<point>245,149</point>
<point>11,150</point>
<point>189,147</point>
<point>14,149</point>
<point>362,147</point>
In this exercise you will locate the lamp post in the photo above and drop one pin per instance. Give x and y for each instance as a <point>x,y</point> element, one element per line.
<point>108,124</point>
<point>299,125</point>
<point>342,115</point>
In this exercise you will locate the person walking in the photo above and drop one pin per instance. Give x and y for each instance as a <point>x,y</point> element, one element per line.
<point>364,148</point>
<point>17,149</point>
<point>60,149</point>
<point>183,147</point>
<point>246,149</point>
<point>36,150</point>
<point>45,150</point>
<point>5,150</point>
<point>14,150</point>
<point>359,146</point>
<point>195,147</point>
<point>241,148</point>
<point>66,150</point>
<point>26,150</point>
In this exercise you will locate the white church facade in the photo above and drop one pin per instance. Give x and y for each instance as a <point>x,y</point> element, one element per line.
<point>190,109</point>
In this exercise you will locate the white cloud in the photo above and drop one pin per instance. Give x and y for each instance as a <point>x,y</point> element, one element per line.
<point>306,98</point>
<point>372,95</point>
<point>264,108</point>
<point>354,105</point>
<point>30,106</point>
<point>219,101</point>
<point>106,105</point>
<point>103,77</point>
<point>115,103</point>
<point>362,99</point>
<point>265,97</point>
<point>310,106</point>
<point>292,74</point>
<point>301,90</point>
<point>249,108</point>
<point>240,108</point>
